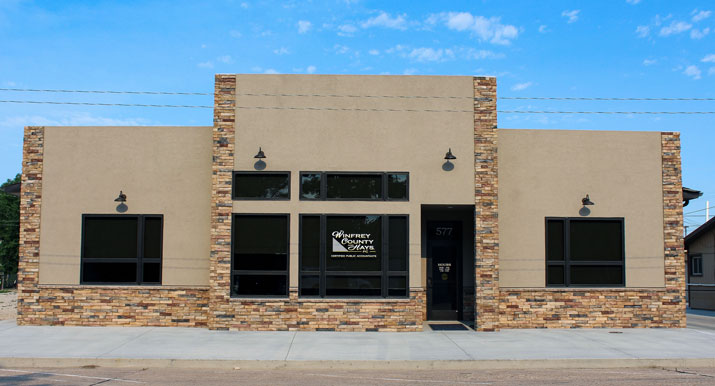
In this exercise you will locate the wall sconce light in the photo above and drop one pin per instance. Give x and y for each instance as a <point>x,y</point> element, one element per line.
<point>448,166</point>
<point>586,201</point>
<point>121,198</point>
<point>260,164</point>
<point>449,155</point>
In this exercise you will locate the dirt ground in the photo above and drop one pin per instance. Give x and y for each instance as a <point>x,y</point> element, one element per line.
<point>8,305</point>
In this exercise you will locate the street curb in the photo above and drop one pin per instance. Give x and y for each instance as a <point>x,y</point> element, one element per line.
<point>488,364</point>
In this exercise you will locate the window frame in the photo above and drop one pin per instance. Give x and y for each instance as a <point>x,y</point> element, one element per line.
<point>385,274</point>
<point>324,186</point>
<point>247,172</point>
<point>235,271</point>
<point>140,260</point>
<point>694,256</point>
<point>567,263</point>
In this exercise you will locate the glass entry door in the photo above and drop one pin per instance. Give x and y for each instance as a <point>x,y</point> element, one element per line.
<point>444,274</point>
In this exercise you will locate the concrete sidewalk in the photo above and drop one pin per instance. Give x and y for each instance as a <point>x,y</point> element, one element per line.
<point>189,347</point>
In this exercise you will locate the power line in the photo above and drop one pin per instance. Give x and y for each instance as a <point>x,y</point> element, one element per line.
<point>354,109</point>
<point>107,104</point>
<point>604,99</point>
<point>700,210</point>
<point>104,91</point>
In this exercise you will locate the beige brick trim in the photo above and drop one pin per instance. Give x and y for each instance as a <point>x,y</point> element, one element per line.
<point>486,204</point>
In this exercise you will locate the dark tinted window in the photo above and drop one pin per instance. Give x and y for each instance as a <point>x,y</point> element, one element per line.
<point>260,243</point>
<point>310,186</point>
<point>121,249</point>
<point>358,256</point>
<point>262,186</point>
<point>397,186</point>
<point>354,186</point>
<point>260,255</point>
<point>354,243</point>
<point>593,256</point>
<point>111,237</point>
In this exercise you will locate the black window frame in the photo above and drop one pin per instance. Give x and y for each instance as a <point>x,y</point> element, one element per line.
<point>567,262</point>
<point>234,271</point>
<point>699,257</point>
<point>324,186</point>
<point>140,260</point>
<point>385,274</point>
<point>242,172</point>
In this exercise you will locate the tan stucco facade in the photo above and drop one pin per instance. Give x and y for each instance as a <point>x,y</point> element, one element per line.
<point>545,173</point>
<point>413,141</point>
<point>162,170</point>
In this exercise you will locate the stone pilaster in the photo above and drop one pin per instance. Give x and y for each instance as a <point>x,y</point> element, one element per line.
<point>674,298</point>
<point>28,273</point>
<point>486,204</point>
<point>221,203</point>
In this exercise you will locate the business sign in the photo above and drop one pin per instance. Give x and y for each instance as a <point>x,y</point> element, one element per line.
<point>353,245</point>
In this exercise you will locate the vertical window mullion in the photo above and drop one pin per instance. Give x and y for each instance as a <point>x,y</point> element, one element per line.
<point>385,254</point>
<point>323,186</point>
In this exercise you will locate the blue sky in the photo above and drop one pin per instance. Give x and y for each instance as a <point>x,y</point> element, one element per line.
<point>618,48</point>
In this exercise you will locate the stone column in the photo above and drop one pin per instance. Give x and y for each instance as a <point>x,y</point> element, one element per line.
<point>28,272</point>
<point>673,301</point>
<point>486,204</point>
<point>221,202</point>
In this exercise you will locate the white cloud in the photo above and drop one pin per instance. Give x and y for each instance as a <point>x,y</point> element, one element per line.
<point>699,33</point>
<point>304,26</point>
<point>225,59</point>
<point>208,64</point>
<point>675,27</point>
<point>711,71</point>
<point>543,29</point>
<point>409,71</point>
<point>642,31</point>
<point>310,69</point>
<point>71,119</point>
<point>649,62</point>
<point>244,5</point>
<point>341,49</point>
<point>521,86</point>
<point>572,16</point>
<point>708,59</point>
<point>491,29</point>
<point>482,54</point>
<point>700,15</point>
<point>424,54</point>
<point>270,71</point>
<point>693,72</point>
<point>384,20</point>
<point>634,2</point>
<point>346,30</point>
<point>235,34</point>
<point>374,52</point>
<point>281,51</point>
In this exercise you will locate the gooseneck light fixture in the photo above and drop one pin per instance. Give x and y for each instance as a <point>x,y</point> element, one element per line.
<point>449,155</point>
<point>260,154</point>
<point>121,198</point>
<point>586,201</point>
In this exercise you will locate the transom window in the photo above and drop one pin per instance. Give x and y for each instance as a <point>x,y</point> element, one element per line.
<point>261,185</point>
<point>354,186</point>
<point>354,255</point>
<point>585,252</point>
<point>121,249</point>
<point>260,255</point>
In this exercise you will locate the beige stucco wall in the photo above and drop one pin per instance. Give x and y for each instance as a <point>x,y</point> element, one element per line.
<point>162,170</point>
<point>545,173</point>
<point>323,140</point>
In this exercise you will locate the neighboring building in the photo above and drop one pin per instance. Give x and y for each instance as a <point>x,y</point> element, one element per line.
<point>700,245</point>
<point>351,203</point>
